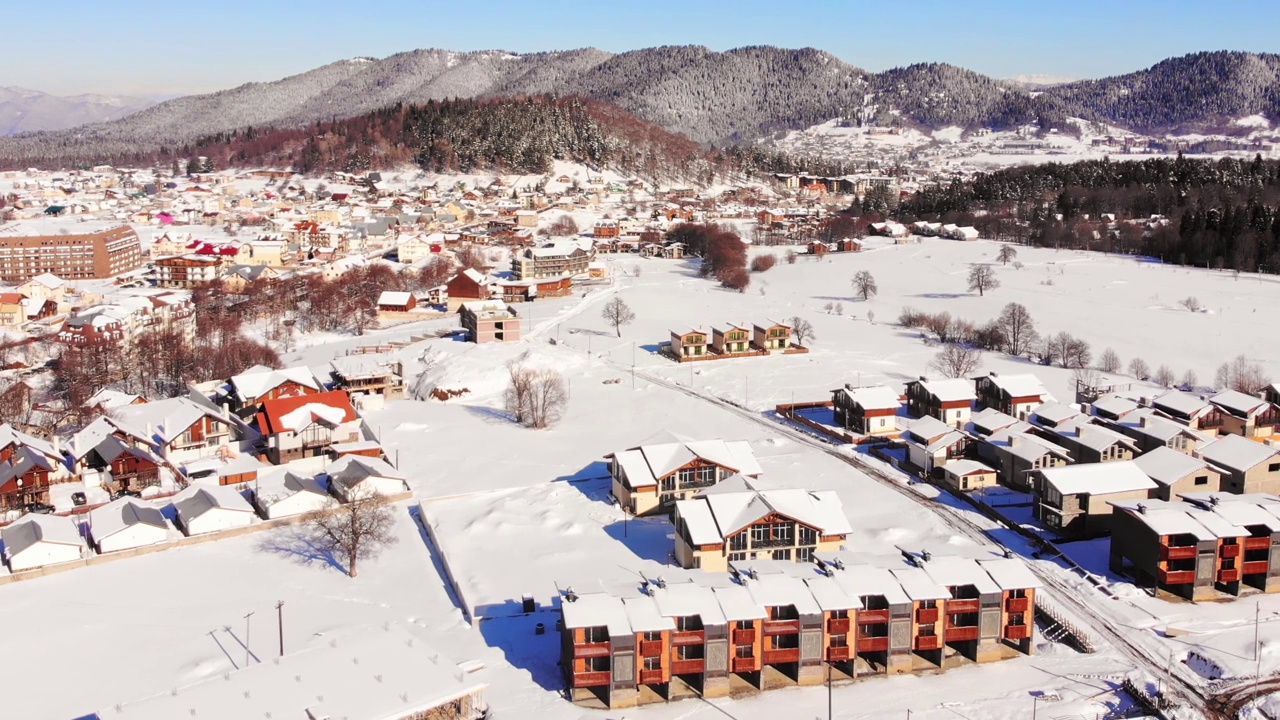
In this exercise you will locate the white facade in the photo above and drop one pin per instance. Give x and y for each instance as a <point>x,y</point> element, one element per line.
<point>39,540</point>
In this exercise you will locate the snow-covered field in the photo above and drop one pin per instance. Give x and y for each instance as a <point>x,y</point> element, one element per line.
<point>518,511</point>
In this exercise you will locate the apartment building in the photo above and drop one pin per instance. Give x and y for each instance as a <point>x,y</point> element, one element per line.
<point>773,624</point>
<point>564,258</point>
<point>74,256</point>
<point>489,321</point>
<point>187,271</point>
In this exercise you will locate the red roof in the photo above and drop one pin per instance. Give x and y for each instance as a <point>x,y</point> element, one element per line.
<point>270,417</point>
<point>11,298</point>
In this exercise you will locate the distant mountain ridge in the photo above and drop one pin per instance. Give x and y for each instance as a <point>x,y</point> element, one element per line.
<point>24,110</point>
<point>709,96</point>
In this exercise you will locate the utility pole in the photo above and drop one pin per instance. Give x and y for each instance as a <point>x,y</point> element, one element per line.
<point>1257,643</point>
<point>247,654</point>
<point>830,668</point>
<point>280,620</point>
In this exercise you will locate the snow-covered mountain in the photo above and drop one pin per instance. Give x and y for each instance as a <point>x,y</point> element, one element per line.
<point>23,110</point>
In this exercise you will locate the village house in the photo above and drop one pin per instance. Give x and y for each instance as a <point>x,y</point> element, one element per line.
<point>1178,473</point>
<point>1016,453</point>
<point>37,540</point>
<point>181,429</point>
<point>1089,443</point>
<point>1247,466</point>
<point>774,337</point>
<point>391,302</point>
<point>468,285</point>
<point>1205,547</point>
<point>932,444</point>
<point>1076,500</point>
<point>1013,395</point>
<point>287,494</point>
<point>1150,431</point>
<point>306,425</point>
<point>867,410</point>
<point>950,401</point>
<point>368,374</point>
<point>774,624</point>
<point>667,467</point>
<point>28,467</point>
<point>733,521</point>
<point>1245,415</point>
<point>127,523</point>
<point>691,343</point>
<point>1190,410</point>
<point>965,475</point>
<point>489,321</point>
<point>204,509</point>
<point>243,393</point>
<point>730,340</point>
<point>355,477</point>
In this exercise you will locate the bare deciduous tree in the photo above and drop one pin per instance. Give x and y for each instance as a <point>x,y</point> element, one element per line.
<point>1164,376</point>
<point>1008,254</point>
<point>1189,380</point>
<point>564,226</point>
<point>1139,368</point>
<point>355,531</point>
<point>955,361</point>
<point>617,313</point>
<point>864,285</point>
<point>1018,330</point>
<point>802,331</point>
<point>1241,375</point>
<point>1109,361</point>
<point>1191,303</point>
<point>536,397</point>
<point>982,278</point>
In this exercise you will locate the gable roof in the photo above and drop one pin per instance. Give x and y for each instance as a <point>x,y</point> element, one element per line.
<point>1097,478</point>
<point>121,514</point>
<point>253,384</point>
<point>1237,453</point>
<point>724,509</point>
<point>878,397</point>
<point>646,464</point>
<point>1166,465</point>
<point>949,390</point>
<point>293,414</point>
<point>34,528</point>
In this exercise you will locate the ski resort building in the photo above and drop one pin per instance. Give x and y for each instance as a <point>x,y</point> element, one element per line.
<point>650,477</point>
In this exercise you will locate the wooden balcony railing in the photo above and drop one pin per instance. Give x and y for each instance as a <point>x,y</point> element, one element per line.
<point>687,667</point>
<point>650,648</point>
<point>1257,543</point>
<point>873,644</point>
<point>784,655</point>
<point>958,634</point>
<point>1229,551</point>
<point>871,617</point>
<point>1017,604</point>
<point>1017,632</point>
<point>781,627</point>
<point>963,606</point>
<point>689,637</point>
<point>927,616</point>
<point>741,665</point>
<point>590,679</point>
<point>744,637</point>
<point>650,677</point>
<point>928,642</point>
<point>1257,567</point>
<point>1178,577</point>
<point>836,626</point>
<point>591,650</point>
<point>1181,552</point>
<point>839,653</point>
<point>1230,575</point>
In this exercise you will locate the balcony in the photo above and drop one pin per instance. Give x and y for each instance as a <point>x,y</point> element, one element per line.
<point>784,655</point>
<point>651,677</point>
<point>872,617</point>
<point>650,648</point>
<point>744,637</point>
<point>781,627</point>
<point>1178,577</point>
<point>1017,604</point>
<point>1229,551</point>
<point>589,650</point>
<point>687,667</point>
<point>927,616</point>
<point>1227,576</point>
<point>955,607</point>
<point>689,637</point>
<point>1181,552</point>
<point>1017,632</point>
<point>1257,543</point>
<point>741,665</point>
<point>590,679</point>
<point>928,642</point>
<point>773,543</point>
<point>960,634</point>
<point>873,644</point>
<point>839,653</point>
<point>1258,567</point>
<point>836,626</point>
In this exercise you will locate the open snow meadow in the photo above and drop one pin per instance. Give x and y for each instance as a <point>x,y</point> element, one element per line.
<point>501,511</point>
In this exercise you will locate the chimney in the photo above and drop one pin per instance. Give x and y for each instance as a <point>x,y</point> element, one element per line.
<point>925,555</point>
<point>1142,422</point>
<point>1142,509</point>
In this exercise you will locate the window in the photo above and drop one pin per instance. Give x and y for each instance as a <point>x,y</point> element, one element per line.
<point>840,640</point>
<point>597,664</point>
<point>743,651</point>
<point>653,662</point>
<point>804,554</point>
<point>784,554</point>
<point>1202,479</point>
<point>697,561</point>
<point>1017,619</point>
<point>598,634</point>
<point>651,636</point>
<point>689,652</point>
<point>808,536</point>
<point>744,625</point>
<point>927,631</point>
<point>688,623</point>
<point>737,556</point>
<point>738,542</point>
<point>1273,467</point>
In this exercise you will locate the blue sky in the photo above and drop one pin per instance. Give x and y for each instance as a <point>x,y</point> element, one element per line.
<point>148,47</point>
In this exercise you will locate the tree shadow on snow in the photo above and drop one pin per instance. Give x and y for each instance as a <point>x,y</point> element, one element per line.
<point>296,543</point>
<point>942,296</point>
<point>490,415</point>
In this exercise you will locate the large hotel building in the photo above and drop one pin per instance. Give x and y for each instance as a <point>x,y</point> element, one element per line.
<point>81,256</point>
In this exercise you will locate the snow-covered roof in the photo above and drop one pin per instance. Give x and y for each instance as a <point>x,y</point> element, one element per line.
<point>1115,405</point>
<point>780,590</point>
<point>964,466</point>
<point>1180,403</point>
<point>737,603</point>
<point>1092,436</point>
<point>950,390</point>
<point>597,610</point>
<point>293,414</point>
<point>349,470</point>
<point>689,599</point>
<point>1238,403</point>
<point>1053,413</point>
<point>665,453</point>
<point>952,571</point>
<point>990,420</point>
<point>167,418</point>
<point>122,514</point>
<point>391,297</point>
<point>1166,465</point>
<point>878,397</point>
<point>918,585</point>
<point>1237,453</point>
<point>1020,385</point>
<point>34,528</point>
<point>733,505</point>
<point>1097,478</point>
<point>197,500</point>
<point>372,674</point>
<point>1010,573</point>
<point>929,428</point>
<point>1168,518</point>
<point>644,615</point>
<point>255,383</point>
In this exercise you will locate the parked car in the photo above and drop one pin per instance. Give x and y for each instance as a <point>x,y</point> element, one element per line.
<point>39,507</point>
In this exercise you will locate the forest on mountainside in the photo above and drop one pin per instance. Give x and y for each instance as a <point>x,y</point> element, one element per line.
<point>1221,213</point>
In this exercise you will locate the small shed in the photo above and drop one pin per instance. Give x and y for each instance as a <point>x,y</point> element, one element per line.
<point>353,477</point>
<point>391,301</point>
<point>289,494</point>
<point>208,508</point>
<point>39,540</point>
<point>127,523</point>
